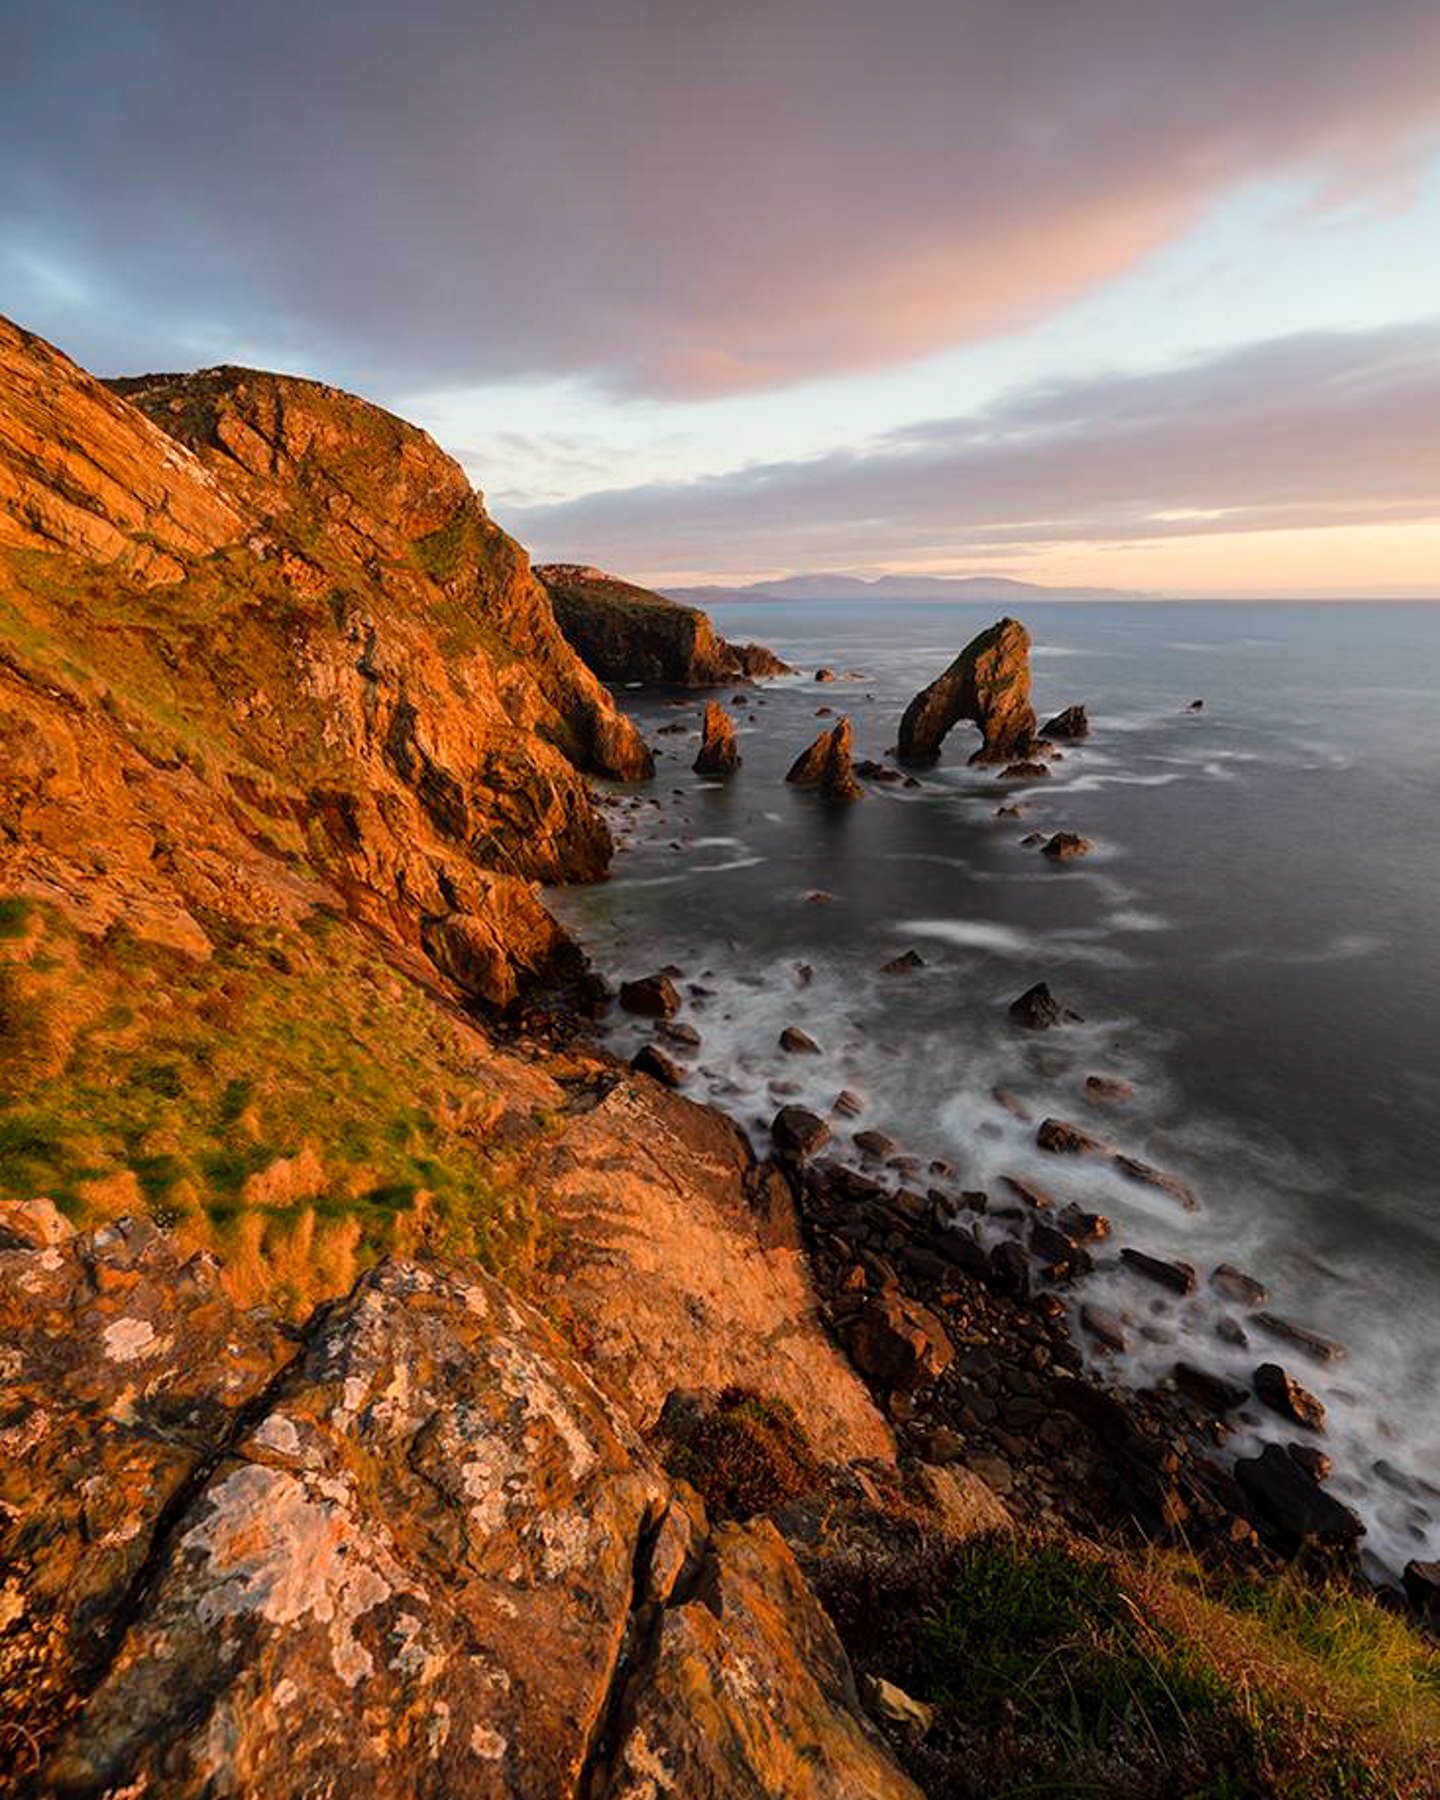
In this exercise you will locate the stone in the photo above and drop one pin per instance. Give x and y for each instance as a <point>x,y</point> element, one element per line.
<point>898,1343</point>
<point>1296,1509</point>
<point>678,1032</point>
<point>1028,1192</point>
<point>826,675</point>
<point>1065,846</point>
<point>874,1144</point>
<point>1084,1227</point>
<point>894,1707</point>
<point>652,1061</point>
<point>651,996</point>
<point>825,766</point>
<point>1235,1285</point>
<point>1179,1277</point>
<point>796,1042</point>
<point>719,753</point>
<point>1312,1459</point>
<point>904,964</point>
<point>1148,1176</point>
<point>988,684</point>
<point>1024,771</point>
<point>1037,1009</point>
<point>1009,1270</point>
<point>797,1133</point>
<point>1284,1395</point>
<point>1103,1326</point>
<point>1196,706</point>
<point>1317,1348</point>
<point>1070,724</point>
<point>847,1105</point>
<point>1107,1090</point>
<point>1061,1138</point>
<point>1211,1391</point>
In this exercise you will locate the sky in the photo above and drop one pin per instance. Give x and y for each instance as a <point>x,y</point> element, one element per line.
<point>1130,293</point>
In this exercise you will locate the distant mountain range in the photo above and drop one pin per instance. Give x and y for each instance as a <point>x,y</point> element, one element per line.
<point>896,587</point>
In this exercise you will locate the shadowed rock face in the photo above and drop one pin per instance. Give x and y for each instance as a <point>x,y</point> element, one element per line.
<point>826,767</point>
<point>719,753</point>
<point>627,633</point>
<point>989,684</point>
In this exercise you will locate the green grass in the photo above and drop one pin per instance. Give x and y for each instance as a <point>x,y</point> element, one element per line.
<point>190,1089</point>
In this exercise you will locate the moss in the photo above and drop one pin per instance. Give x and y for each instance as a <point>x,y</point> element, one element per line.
<point>15,913</point>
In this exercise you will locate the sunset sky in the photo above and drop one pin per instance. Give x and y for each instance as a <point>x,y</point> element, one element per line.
<point>1122,292</point>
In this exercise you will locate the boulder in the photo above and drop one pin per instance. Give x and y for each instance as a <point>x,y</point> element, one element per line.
<point>1107,1090</point>
<point>652,996</point>
<point>825,766</point>
<point>1313,1460</point>
<point>988,684</point>
<point>1065,846</point>
<point>1317,1348</point>
<point>904,964</point>
<point>719,753</point>
<point>898,1343</point>
<point>1285,1396</point>
<point>1068,725</point>
<point>1103,1326</point>
<point>1296,1509</point>
<point>796,1042</point>
<point>847,1104</point>
<point>1211,1391</point>
<point>1148,1176</point>
<point>798,1133</point>
<point>1037,1009</point>
<point>1061,1138</point>
<point>652,1061</point>
<point>1236,1285</point>
<point>1179,1277</point>
<point>826,675</point>
<point>1025,771</point>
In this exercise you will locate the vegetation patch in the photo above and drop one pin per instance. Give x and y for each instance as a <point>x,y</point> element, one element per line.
<point>746,1455</point>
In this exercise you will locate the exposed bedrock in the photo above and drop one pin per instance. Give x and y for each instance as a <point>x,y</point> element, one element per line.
<point>988,684</point>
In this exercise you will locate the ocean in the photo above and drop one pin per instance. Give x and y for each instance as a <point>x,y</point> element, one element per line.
<point>1252,945</point>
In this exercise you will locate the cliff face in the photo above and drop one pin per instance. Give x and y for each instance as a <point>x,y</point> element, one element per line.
<point>267,651</point>
<point>628,633</point>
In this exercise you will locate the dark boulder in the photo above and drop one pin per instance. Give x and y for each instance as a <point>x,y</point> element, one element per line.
<point>1319,1349</point>
<point>796,1042</point>
<point>797,1133</point>
<point>1070,724</point>
<point>1313,1460</point>
<point>1149,1176</point>
<point>1103,1326</point>
<point>1285,1396</point>
<point>651,1061</point>
<point>1213,1392</point>
<point>652,996</point>
<point>1179,1277</point>
<point>1025,771</point>
<point>1236,1285</point>
<point>1422,1587</point>
<point>1060,1138</point>
<point>1037,1009</point>
<point>1296,1509</point>
<point>898,1343</point>
<point>903,964</point>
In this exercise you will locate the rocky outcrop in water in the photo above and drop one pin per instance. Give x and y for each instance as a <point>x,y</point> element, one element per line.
<point>826,766</point>
<point>1069,725</point>
<point>988,684</point>
<point>719,753</point>
<point>626,633</point>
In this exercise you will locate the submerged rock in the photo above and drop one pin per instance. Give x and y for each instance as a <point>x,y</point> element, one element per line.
<point>1236,1285</point>
<point>825,766</point>
<point>1179,1277</point>
<point>988,684</point>
<point>1037,1009</point>
<point>1070,724</point>
<point>719,753</point>
<point>903,964</point>
<point>1319,1349</point>
<point>797,1042</point>
<point>1062,1138</point>
<point>1025,771</point>
<point>1148,1176</point>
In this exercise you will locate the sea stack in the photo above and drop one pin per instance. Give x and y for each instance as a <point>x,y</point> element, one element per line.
<point>989,684</point>
<point>825,766</point>
<point>719,753</point>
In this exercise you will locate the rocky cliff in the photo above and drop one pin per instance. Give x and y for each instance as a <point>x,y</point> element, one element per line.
<point>627,633</point>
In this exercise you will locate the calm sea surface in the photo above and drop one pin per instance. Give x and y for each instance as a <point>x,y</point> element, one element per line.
<point>1254,944</point>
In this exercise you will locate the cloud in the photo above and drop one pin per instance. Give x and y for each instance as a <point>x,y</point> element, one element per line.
<point>1313,430</point>
<point>669,198</point>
